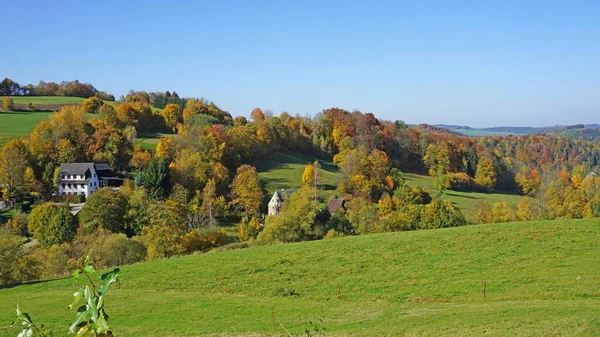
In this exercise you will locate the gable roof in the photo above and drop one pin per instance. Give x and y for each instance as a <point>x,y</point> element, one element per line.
<point>102,167</point>
<point>335,205</point>
<point>75,168</point>
<point>282,194</point>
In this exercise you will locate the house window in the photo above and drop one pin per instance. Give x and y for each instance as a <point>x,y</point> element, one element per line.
<point>82,186</point>
<point>63,176</point>
<point>68,185</point>
<point>63,185</point>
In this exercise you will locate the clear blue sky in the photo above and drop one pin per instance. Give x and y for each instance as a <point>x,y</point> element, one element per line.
<point>480,63</point>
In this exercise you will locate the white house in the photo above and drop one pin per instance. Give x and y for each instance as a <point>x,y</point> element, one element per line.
<point>277,200</point>
<point>81,178</point>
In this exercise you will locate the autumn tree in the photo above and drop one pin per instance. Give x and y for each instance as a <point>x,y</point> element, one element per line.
<point>363,215</point>
<point>13,165</point>
<point>503,212</point>
<point>165,231</point>
<point>141,158</point>
<point>485,176</point>
<point>308,176</point>
<point>246,191</point>
<point>483,212</point>
<point>50,224</point>
<point>8,103</point>
<point>91,105</point>
<point>257,115</point>
<point>172,115</point>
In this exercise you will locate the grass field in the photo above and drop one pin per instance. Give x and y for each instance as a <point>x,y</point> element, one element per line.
<point>47,100</point>
<point>149,141</point>
<point>20,124</point>
<point>284,171</point>
<point>422,283</point>
<point>466,201</point>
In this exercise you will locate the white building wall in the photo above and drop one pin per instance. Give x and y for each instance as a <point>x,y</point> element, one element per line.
<point>77,188</point>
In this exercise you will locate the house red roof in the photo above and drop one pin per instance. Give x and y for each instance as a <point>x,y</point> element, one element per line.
<point>335,205</point>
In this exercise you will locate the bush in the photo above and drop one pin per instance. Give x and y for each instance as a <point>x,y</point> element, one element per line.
<point>203,241</point>
<point>15,265</point>
<point>458,181</point>
<point>30,106</point>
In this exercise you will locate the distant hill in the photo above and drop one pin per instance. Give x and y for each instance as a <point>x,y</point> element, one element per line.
<point>433,128</point>
<point>579,131</point>
<point>524,130</point>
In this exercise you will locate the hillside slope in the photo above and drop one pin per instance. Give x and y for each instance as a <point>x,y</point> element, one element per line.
<point>423,283</point>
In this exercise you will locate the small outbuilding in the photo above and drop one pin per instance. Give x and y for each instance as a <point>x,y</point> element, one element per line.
<point>336,205</point>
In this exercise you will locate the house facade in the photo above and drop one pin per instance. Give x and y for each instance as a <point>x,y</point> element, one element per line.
<point>277,200</point>
<point>80,178</point>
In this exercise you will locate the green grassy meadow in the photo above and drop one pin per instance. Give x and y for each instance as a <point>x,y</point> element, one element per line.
<point>466,201</point>
<point>149,141</point>
<point>421,283</point>
<point>284,171</point>
<point>47,100</point>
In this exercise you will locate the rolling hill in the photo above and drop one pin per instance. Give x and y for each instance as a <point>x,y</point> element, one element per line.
<point>542,280</point>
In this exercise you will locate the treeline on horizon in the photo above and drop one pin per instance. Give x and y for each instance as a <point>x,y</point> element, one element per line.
<point>201,177</point>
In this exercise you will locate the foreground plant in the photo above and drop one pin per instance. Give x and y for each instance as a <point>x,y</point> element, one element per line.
<point>91,319</point>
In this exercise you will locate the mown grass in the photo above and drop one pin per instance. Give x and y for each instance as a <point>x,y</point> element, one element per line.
<point>423,283</point>
<point>149,141</point>
<point>47,100</point>
<point>466,201</point>
<point>284,171</point>
<point>20,124</point>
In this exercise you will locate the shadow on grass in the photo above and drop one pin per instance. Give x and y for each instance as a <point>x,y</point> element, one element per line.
<point>9,286</point>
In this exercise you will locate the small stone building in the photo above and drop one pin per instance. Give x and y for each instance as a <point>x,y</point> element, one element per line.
<point>277,200</point>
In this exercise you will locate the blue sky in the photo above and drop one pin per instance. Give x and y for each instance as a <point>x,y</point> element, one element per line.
<point>478,63</point>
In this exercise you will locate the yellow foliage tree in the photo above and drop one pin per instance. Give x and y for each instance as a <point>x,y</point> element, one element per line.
<point>8,103</point>
<point>172,115</point>
<point>246,190</point>
<point>485,176</point>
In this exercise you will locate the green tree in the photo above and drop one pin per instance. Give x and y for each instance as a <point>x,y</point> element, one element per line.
<point>15,264</point>
<point>156,178</point>
<point>104,208</point>
<point>363,215</point>
<point>50,224</point>
<point>296,221</point>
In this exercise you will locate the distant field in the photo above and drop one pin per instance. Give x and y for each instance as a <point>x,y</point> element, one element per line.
<point>284,171</point>
<point>20,124</point>
<point>47,100</point>
<point>479,133</point>
<point>543,279</point>
<point>466,201</point>
<point>149,141</point>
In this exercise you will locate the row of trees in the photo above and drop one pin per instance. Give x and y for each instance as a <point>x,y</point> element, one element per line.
<point>75,88</point>
<point>559,196</point>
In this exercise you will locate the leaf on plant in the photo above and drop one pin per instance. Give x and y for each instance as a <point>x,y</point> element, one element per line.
<point>76,298</point>
<point>109,278</point>
<point>89,269</point>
